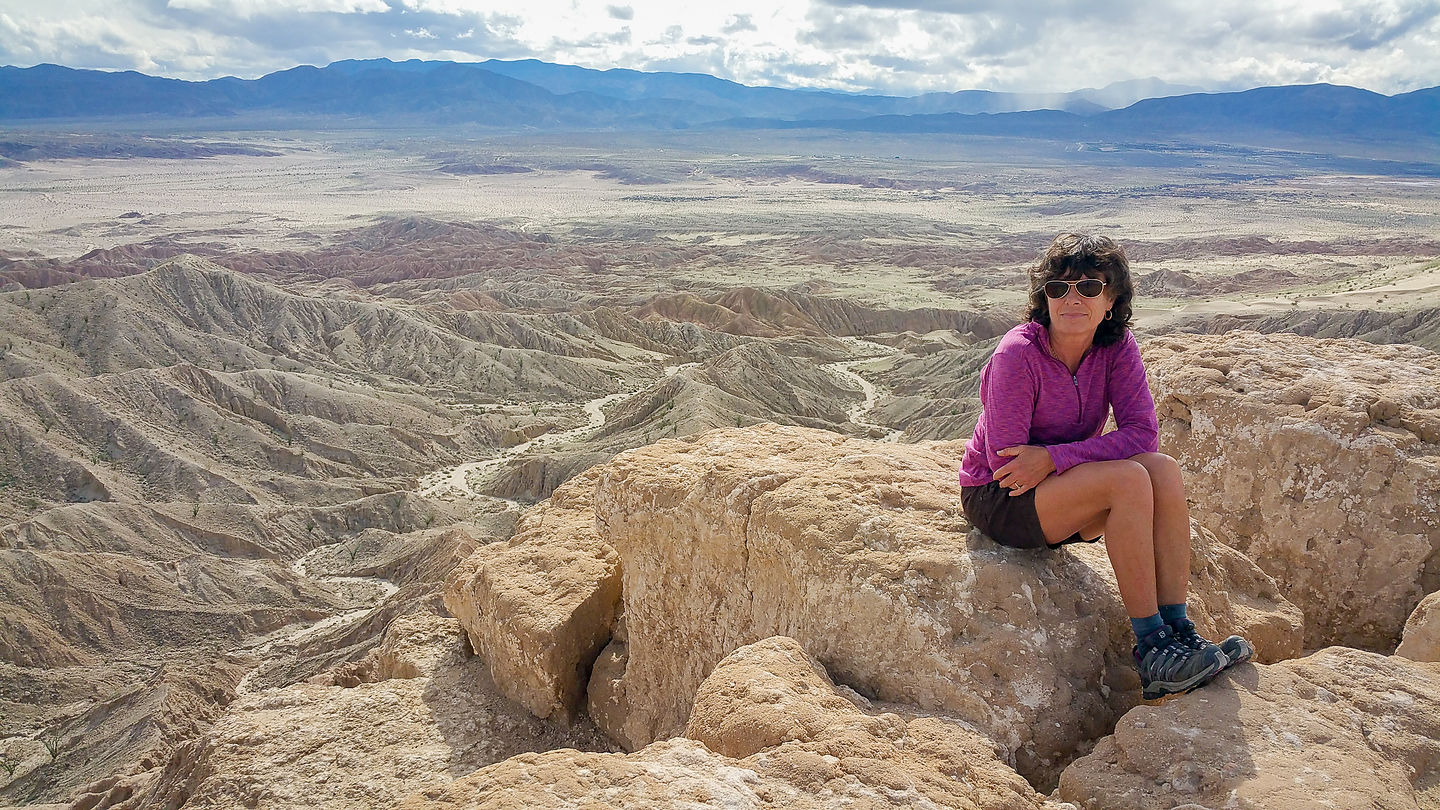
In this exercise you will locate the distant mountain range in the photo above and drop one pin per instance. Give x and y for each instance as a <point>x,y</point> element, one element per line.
<point>534,95</point>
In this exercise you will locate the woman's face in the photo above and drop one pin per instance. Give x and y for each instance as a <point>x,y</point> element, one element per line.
<point>1077,316</point>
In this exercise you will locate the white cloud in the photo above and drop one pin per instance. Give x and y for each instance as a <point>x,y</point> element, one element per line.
<point>246,9</point>
<point>902,46</point>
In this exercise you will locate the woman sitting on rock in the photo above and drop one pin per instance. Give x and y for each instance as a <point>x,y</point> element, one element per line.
<point>1038,473</point>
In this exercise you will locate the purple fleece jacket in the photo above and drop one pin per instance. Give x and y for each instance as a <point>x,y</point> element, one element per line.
<point>1030,397</point>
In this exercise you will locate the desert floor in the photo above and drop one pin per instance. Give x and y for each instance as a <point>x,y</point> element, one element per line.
<point>1349,241</point>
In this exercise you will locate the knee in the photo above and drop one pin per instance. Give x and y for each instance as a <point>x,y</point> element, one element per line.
<point>1130,483</point>
<point>1163,471</point>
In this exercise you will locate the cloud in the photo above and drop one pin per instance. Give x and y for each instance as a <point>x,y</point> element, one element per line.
<point>1357,26</point>
<point>261,8</point>
<point>737,23</point>
<point>896,46</point>
<point>594,42</point>
<point>1057,46</point>
<point>1038,11</point>
<point>200,39</point>
<point>832,29</point>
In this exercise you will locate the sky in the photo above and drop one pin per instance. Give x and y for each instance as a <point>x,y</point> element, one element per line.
<point>903,47</point>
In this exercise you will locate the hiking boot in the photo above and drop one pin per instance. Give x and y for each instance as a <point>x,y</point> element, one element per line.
<point>1235,648</point>
<point>1168,666</point>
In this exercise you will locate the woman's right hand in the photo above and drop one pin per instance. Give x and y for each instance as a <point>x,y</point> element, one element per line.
<point>1031,465</point>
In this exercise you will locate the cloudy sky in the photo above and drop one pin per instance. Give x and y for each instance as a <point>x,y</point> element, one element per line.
<point>896,46</point>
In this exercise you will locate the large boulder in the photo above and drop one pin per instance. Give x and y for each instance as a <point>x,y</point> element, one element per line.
<point>860,552</point>
<point>1320,460</point>
<point>771,731</point>
<point>1341,728</point>
<point>1421,640</point>
<point>539,607</point>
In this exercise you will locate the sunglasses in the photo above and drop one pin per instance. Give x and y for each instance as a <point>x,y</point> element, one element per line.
<point>1087,287</point>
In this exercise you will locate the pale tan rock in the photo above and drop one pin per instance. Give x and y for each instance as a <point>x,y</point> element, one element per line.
<point>418,645</point>
<point>860,552</point>
<point>605,699</point>
<point>776,734</point>
<point>1342,728</point>
<point>1421,641</point>
<point>1320,460</point>
<point>765,694</point>
<point>670,774</point>
<point>320,746</point>
<point>539,607</point>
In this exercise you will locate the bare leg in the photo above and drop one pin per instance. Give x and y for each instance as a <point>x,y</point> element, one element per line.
<point>1172,527</point>
<point>1119,492</point>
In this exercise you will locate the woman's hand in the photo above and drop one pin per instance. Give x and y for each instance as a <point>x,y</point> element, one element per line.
<point>1031,465</point>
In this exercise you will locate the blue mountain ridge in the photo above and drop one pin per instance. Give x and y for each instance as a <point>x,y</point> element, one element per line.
<point>535,95</point>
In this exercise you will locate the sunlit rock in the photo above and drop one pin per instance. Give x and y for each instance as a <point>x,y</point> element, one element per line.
<point>1320,460</point>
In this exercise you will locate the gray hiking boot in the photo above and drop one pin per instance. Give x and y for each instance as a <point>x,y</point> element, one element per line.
<point>1235,648</point>
<point>1168,666</point>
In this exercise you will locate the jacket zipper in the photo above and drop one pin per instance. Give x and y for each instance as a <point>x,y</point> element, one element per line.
<point>1074,379</point>
<point>1079,404</point>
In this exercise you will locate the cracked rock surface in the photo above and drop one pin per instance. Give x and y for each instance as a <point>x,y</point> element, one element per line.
<point>1340,728</point>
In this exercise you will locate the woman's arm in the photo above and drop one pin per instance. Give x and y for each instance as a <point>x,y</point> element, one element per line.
<point>1008,389</point>
<point>1136,428</point>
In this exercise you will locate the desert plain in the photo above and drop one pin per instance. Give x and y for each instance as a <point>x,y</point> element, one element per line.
<point>262,397</point>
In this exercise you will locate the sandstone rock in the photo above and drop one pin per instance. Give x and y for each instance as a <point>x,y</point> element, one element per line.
<point>313,745</point>
<point>1319,459</point>
<point>775,734</point>
<point>418,645</point>
<point>539,607</point>
<point>1421,641</point>
<point>859,551</point>
<point>1341,728</point>
<point>605,699</point>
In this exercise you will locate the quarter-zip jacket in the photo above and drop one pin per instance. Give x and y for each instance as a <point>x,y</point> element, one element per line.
<point>1030,397</point>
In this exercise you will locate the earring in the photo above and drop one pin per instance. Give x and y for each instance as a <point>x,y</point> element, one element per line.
<point>1109,314</point>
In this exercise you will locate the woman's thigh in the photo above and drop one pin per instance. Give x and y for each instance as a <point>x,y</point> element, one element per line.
<point>1085,493</point>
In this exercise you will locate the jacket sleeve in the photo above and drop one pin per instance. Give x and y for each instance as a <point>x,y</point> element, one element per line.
<point>1008,389</point>
<point>1136,428</point>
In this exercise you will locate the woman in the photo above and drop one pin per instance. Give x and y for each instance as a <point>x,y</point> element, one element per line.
<point>1038,473</point>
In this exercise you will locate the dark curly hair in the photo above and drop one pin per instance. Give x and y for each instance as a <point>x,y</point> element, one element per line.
<point>1072,256</point>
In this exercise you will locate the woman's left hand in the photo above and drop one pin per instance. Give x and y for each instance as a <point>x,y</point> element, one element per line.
<point>1031,465</point>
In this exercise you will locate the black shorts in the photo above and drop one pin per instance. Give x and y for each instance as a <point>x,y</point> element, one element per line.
<point>1008,521</point>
